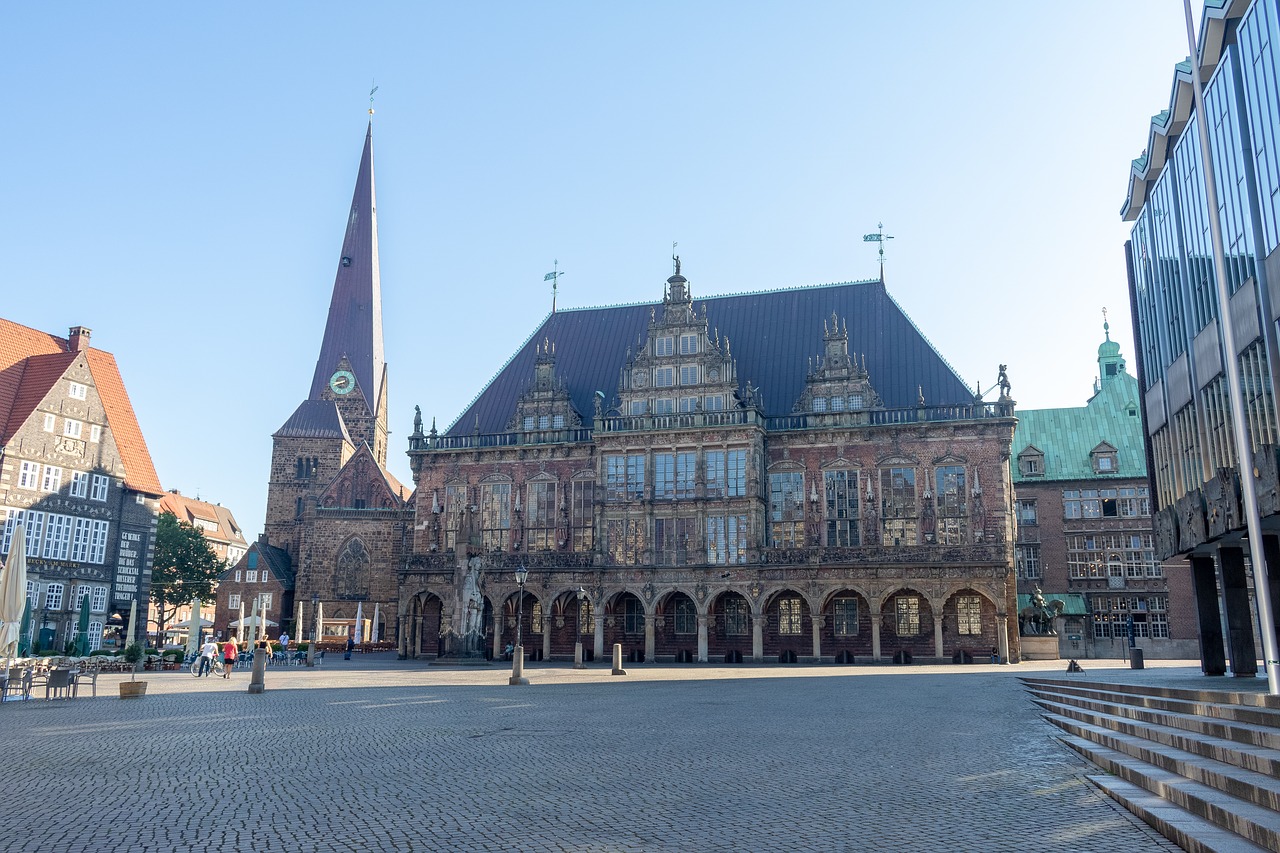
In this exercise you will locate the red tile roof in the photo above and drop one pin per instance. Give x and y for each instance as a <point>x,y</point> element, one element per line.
<point>32,361</point>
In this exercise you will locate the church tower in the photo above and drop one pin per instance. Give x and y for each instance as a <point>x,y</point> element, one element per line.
<point>347,403</point>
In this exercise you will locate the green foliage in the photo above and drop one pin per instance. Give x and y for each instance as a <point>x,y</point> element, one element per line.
<point>185,567</point>
<point>172,654</point>
<point>102,653</point>
<point>133,656</point>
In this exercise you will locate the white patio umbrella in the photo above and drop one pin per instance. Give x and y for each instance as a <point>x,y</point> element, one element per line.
<point>133,623</point>
<point>297,623</point>
<point>13,594</point>
<point>319,620</point>
<point>251,622</point>
<point>359,638</point>
<point>240,624</point>
<point>194,624</point>
<point>373,627</point>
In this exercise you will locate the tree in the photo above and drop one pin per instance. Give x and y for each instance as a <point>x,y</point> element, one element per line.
<point>185,567</point>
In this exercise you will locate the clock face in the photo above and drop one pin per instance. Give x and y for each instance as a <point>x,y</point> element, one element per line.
<point>342,382</point>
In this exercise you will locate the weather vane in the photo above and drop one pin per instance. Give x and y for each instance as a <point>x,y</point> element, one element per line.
<point>554,278</point>
<point>878,237</point>
<point>371,91</point>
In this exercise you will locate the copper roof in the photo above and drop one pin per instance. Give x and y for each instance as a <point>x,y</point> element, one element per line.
<point>31,362</point>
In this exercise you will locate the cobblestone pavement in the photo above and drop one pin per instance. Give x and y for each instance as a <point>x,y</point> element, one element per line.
<point>379,755</point>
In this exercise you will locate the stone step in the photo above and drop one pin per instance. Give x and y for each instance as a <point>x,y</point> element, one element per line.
<point>1247,757</point>
<point>1259,825</point>
<point>1261,737</point>
<point>1191,833</point>
<point>1247,785</point>
<point>1232,706</point>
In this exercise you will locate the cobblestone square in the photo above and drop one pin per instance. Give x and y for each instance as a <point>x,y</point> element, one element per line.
<point>383,755</point>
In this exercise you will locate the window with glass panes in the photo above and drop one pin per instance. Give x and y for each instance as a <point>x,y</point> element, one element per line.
<point>686,616</point>
<point>686,475</point>
<point>841,505</point>
<point>664,476</point>
<point>586,618</point>
<point>624,541</point>
<point>844,611</point>
<point>907,610</point>
<point>726,539</point>
<point>582,515</point>
<point>535,618</point>
<point>540,516</point>
<point>735,616</point>
<point>715,474</point>
<point>53,596</point>
<point>663,346</point>
<point>689,374</point>
<point>789,615</point>
<point>99,601</point>
<point>786,509</point>
<point>495,515</point>
<point>952,504</point>
<point>673,540</point>
<point>898,510</point>
<point>1027,512</point>
<point>455,502</point>
<point>968,614</point>
<point>1028,559</point>
<point>735,462</point>
<point>632,616</point>
<point>688,344</point>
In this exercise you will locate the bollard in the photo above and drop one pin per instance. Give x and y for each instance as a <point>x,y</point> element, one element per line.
<point>517,667</point>
<point>617,660</point>
<point>258,679</point>
<point>577,656</point>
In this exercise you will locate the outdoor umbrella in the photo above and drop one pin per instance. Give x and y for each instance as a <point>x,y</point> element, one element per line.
<point>13,594</point>
<point>82,627</point>
<point>133,623</point>
<point>297,623</point>
<point>193,632</point>
<point>24,636</point>
<point>373,628</point>
<point>319,620</point>
<point>240,626</point>
<point>359,638</point>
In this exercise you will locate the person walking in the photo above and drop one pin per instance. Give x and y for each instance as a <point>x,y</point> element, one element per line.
<point>207,653</point>
<point>229,655</point>
<point>284,642</point>
<point>351,646</point>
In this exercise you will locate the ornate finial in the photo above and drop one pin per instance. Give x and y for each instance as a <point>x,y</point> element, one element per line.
<point>920,392</point>
<point>1106,327</point>
<point>675,257</point>
<point>554,278</point>
<point>878,237</point>
<point>433,427</point>
<point>371,91</point>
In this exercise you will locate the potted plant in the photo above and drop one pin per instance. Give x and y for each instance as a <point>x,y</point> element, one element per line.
<point>132,689</point>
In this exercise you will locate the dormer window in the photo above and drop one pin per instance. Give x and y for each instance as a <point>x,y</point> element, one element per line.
<point>819,404</point>
<point>1104,459</point>
<point>837,403</point>
<point>1031,462</point>
<point>688,344</point>
<point>855,401</point>
<point>664,346</point>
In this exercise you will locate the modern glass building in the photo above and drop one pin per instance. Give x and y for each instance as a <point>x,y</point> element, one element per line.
<point>1192,457</point>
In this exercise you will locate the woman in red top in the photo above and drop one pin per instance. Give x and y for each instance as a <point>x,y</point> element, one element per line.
<point>229,655</point>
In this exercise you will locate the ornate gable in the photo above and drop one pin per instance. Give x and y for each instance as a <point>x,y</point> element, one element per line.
<point>361,484</point>
<point>836,383</point>
<point>545,403</point>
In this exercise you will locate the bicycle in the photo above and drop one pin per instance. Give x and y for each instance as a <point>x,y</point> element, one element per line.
<point>215,667</point>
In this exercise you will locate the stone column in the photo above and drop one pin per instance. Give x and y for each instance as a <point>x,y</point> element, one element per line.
<point>875,634</point>
<point>548,622</point>
<point>499,620</point>
<point>1213,656</point>
<point>1002,636</point>
<point>417,636</point>
<point>1235,594</point>
<point>649,644</point>
<point>938,651</point>
<point>757,638</point>
<point>402,637</point>
<point>815,622</point>
<point>703,618</point>
<point>599,644</point>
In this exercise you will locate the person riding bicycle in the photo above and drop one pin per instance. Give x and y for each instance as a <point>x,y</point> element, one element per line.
<point>207,653</point>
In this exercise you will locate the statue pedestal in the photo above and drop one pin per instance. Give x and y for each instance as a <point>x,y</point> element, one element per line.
<point>463,651</point>
<point>1040,647</point>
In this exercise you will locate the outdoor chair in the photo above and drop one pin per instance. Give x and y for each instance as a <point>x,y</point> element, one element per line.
<point>84,676</point>
<point>19,683</point>
<point>58,684</point>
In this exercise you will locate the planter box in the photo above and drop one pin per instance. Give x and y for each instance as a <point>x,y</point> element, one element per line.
<point>132,689</point>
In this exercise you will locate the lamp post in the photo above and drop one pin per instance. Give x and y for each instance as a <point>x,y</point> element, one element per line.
<point>517,659</point>
<point>311,647</point>
<point>577,646</point>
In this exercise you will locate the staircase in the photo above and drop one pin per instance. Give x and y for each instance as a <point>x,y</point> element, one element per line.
<point>1201,766</point>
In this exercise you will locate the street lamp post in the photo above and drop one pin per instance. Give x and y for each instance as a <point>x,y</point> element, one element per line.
<point>311,647</point>
<point>517,659</point>
<point>577,647</point>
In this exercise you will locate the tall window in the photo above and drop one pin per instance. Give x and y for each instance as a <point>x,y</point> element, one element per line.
<point>95,636</point>
<point>735,616</point>
<point>672,538</point>
<point>535,618</point>
<point>582,515</point>
<point>845,613</point>
<point>664,476</point>
<point>233,602</point>
<point>79,484</point>
<point>586,619</point>
<point>841,505</point>
<point>907,608</point>
<point>686,475</point>
<point>495,515</point>
<point>663,346</point>
<point>80,540</point>
<point>688,344</point>
<point>632,616</point>
<point>540,516</point>
<point>624,477</point>
<point>952,505</point>
<point>28,475</point>
<point>53,597</point>
<point>789,615</point>
<point>455,504</point>
<point>686,616</point>
<point>1027,512</point>
<point>57,539</point>
<point>727,540</point>
<point>99,601</point>
<point>786,509</point>
<point>898,510</point>
<point>99,490</point>
<point>715,473</point>
<point>624,541</point>
<point>969,614</point>
<point>736,473</point>
<point>52,479</point>
<point>1028,557</point>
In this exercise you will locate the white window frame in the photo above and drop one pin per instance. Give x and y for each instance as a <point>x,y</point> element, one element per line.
<point>664,345</point>
<point>251,576</point>
<point>690,374</point>
<point>664,377</point>
<point>79,484</point>
<point>95,636</point>
<point>101,485</point>
<point>95,433</point>
<point>98,542</point>
<point>98,603</point>
<point>688,344</point>
<point>72,428</point>
<point>53,596</point>
<point>233,601</point>
<point>52,480</point>
<point>29,475</point>
<point>77,391</point>
<point>50,422</point>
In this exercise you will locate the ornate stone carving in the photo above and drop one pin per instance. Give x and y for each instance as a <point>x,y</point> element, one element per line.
<point>1191,521</point>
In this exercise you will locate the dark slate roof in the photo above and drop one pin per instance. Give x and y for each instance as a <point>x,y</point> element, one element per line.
<point>264,556</point>
<point>771,335</point>
<point>314,419</point>
<point>354,326</point>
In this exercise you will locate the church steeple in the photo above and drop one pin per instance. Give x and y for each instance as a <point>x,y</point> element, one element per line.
<point>354,328</point>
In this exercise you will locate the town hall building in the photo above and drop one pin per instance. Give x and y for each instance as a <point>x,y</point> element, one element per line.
<point>787,476</point>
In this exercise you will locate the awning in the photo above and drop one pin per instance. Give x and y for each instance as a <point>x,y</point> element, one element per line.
<point>1073,603</point>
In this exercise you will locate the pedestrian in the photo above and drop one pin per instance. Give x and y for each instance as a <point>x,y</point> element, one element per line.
<point>351,646</point>
<point>995,655</point>
<point>208,652</point>
<point>229,654</point>
<point>284,641</point>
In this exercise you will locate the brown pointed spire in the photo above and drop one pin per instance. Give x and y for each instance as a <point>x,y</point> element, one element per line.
<point>354,326</point>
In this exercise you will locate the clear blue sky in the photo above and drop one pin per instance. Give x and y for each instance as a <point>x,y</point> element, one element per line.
<point>177,178</point>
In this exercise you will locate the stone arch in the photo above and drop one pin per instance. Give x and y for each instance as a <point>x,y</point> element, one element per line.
<point>907,628</point>
<point>729,626</point>
<point>846,624</point>
<point>787,624</point>
<point>675,629</point>
<point>422,615</point>
<point>353,563</point>
<point>968,630</point>
<point>624,624</point>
